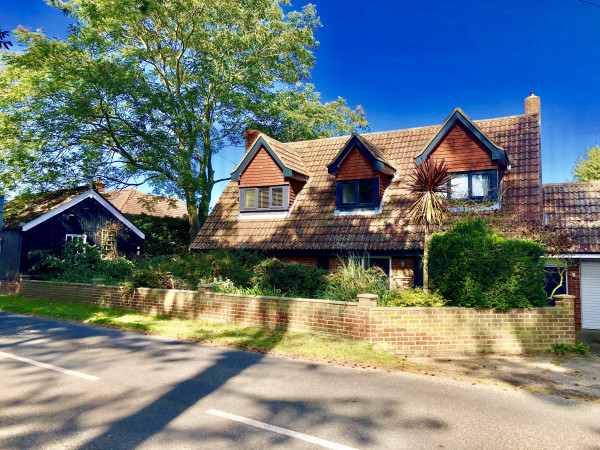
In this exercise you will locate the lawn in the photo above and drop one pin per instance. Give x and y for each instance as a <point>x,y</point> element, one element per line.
<point>258,339</point>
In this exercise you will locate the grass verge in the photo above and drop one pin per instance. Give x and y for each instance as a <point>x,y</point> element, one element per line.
<point>258,339</point>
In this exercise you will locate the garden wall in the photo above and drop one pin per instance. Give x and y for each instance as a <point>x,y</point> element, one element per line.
<point>9,287</point>
<point>406,330</point>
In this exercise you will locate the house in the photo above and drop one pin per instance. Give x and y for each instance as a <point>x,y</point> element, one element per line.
<point>313,201</point>
<point>131,201</point>
<point>576,208</point>
<point>45,221</point>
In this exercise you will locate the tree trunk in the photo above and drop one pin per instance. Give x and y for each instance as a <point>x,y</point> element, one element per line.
<point>426,260</point>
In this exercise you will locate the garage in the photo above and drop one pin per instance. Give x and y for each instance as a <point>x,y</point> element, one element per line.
<point>590,295</point>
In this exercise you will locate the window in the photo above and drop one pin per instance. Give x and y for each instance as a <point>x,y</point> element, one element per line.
<point>76,237</point>
<point>358,193</point>
<point>473,185</point>
<point>270,198</point>
<point>323,262</point>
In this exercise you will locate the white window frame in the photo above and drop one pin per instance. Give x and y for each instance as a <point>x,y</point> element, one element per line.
<point>285,198</point>
<point>69,237</point>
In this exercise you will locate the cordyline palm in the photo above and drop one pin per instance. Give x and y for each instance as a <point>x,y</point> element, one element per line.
<point>428,182</point>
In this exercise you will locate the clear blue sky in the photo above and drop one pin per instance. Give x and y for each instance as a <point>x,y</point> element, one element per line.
<point>409,63</point>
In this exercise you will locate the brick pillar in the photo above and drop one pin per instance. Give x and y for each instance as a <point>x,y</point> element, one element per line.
<point>567,302</point>
<point>366,302</point>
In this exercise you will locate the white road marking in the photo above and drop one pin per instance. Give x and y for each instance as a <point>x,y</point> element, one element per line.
<point>274,429</point>
<point>51,367</point>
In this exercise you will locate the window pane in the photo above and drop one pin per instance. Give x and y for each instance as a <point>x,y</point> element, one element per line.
<point>349,194</point>
<point>365,191</point>
<point>263,197</point>
<point>480,185</point>
<point>277,196</point>
<point>459,186</point>
<point>383,263</point>
<point>250,198</point>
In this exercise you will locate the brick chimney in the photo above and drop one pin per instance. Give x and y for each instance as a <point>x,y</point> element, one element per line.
<point>251,136</point>
<point>99,186</point>
<point>532,104</point>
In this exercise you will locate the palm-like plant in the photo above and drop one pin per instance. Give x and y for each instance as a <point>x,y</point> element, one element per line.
<point>428,182</point>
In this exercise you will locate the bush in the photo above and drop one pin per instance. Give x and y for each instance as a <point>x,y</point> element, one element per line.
<point>79,263</point>
<point>164,235</point>
<point>157,279</point>
<point>291,279</point>
<point>563,349</point>
<point>472,267</point>
<point>351,279</point>
<point>412,297</point>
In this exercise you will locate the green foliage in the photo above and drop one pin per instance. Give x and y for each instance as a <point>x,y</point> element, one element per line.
<point>351,279</point>
<point>228,287</point>
<point>473,267</point>
<point>291,279</point>
<point>164,235</point>
<point>155,91</point>
<point>562,349</point>
<point>79,263</point>
<point>152,278</point>
<point>415,297</point>
<point>587,168</point>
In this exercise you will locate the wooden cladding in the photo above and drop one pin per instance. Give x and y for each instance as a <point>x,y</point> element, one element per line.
<point>463,152</point>
<point>262,170</point>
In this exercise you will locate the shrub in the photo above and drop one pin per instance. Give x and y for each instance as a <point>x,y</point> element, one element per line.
<point>562,349</point>
<point>233,264</point>
<point>412,297</point>
<point>351,279</point>
<point>472,267</point>
<point>79,263</point>
<point>164,235</point>
<point>291,279</point>
<point>152,278</point>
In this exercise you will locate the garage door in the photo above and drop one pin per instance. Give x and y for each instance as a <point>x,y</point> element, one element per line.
<point>590,295</point>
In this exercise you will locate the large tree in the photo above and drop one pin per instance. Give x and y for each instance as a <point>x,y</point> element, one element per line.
<point>587,168</point>
<point>150,90</point>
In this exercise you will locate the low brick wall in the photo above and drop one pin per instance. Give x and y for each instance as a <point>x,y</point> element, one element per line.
<point>9,287</point>
<point>463,330</point>
<point>406,330</point>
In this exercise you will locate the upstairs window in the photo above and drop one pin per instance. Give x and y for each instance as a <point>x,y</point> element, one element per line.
<point>476,186</point>
<point>76,237</point>
<point>269,198</point>
<point>358,193</point>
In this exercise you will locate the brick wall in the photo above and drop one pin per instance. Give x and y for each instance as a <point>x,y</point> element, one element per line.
<point>462,152</point>
<point>402,277</point>
<point>463,330</point>
<point>404,330</point>
<point>9,287</point>
<point>574,289</point>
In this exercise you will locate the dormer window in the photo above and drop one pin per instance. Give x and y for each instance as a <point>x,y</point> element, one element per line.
<point>477,185</point>
<point>357,193</point>
<point>268,198</point>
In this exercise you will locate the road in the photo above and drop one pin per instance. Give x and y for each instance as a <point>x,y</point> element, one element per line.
<point>72,386</point>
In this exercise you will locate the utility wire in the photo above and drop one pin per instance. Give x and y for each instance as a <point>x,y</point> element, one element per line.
<point>589,3</point>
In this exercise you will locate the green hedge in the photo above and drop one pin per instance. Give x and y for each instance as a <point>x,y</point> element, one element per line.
<point>473,267</point>
<point>164,235</point>
<point>291,279</point>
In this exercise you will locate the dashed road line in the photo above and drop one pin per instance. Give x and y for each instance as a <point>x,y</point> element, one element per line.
<point>275,429</point>
<point>85,376</point>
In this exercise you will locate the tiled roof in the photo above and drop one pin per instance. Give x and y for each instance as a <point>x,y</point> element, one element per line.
<point>312,225</point>
<point>291,158</point>
<point>576,207</point>
<point>132,201</point>
<point>27,207</point>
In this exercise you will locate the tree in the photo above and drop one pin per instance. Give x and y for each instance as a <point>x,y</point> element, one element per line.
<point>428,182</point>
<point>587,168</point>
<point>150,90</point>
<point>3,42</point>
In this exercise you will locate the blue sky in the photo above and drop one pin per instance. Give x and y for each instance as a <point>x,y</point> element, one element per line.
<point>410,63</point>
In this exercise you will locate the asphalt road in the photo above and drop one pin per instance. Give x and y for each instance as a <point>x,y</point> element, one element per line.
<point>128,390</point>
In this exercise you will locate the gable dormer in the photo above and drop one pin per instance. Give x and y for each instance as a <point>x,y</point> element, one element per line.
<point>477,164</point>
<point>270,176</point>
<point>362,174</point>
